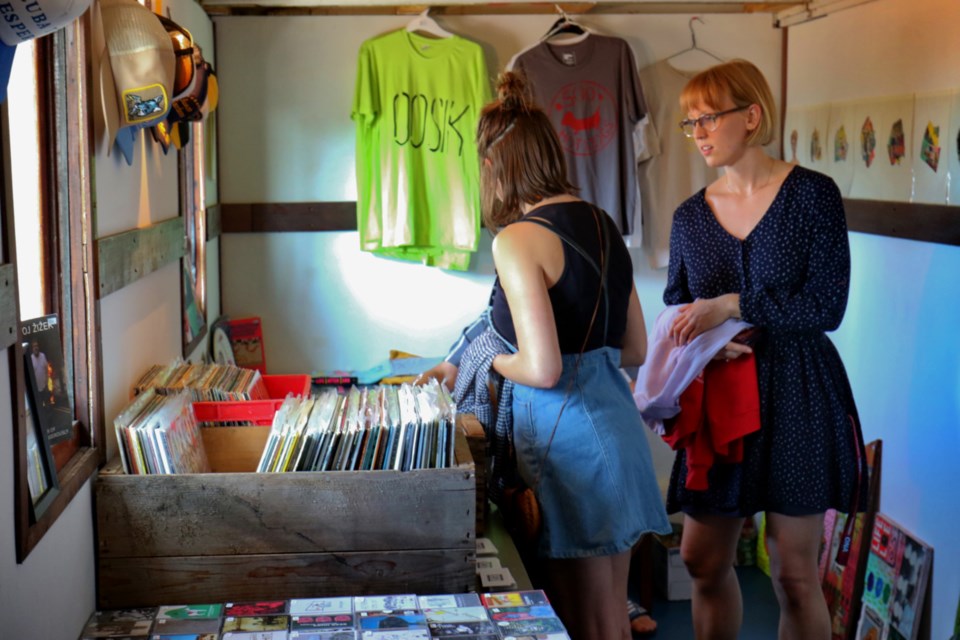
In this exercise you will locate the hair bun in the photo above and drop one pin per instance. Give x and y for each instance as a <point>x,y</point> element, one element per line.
<point>511,90</point>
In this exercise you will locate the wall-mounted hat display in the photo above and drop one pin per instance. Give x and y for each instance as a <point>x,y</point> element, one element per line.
<point>136,69</point>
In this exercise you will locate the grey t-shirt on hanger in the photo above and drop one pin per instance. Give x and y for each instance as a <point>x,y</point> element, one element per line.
<point>591,92</point>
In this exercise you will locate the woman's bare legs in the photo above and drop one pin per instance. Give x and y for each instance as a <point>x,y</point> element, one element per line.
<point>793,543</point>
<point>590,595</point>
<point>709,548</point>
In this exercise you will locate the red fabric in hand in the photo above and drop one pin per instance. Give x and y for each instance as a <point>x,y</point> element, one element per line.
<point>719,408</point>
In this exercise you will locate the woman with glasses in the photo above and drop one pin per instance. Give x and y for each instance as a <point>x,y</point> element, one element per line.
<point>766,243</point>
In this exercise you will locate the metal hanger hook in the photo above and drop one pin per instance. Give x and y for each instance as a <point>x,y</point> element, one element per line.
<point>563,14</point>
<point>693,34</point>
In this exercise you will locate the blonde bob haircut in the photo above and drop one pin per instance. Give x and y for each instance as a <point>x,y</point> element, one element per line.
<point>744,84</point>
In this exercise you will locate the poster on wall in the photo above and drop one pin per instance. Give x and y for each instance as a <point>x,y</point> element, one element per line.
<point>952,151</point>
<point>931,140</point>
<point>795,128</point>
<point>842,145</point>
<point>881,164</point>
<point>817,144</point>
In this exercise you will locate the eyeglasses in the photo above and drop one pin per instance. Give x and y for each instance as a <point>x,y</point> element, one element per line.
<point>708,121</point>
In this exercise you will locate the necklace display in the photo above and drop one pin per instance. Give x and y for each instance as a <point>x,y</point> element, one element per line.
<point>746,194</point>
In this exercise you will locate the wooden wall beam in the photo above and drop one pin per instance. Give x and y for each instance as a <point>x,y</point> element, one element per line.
<point>126,257</point>
<point>8,306</point>
<point>288,216</point>
<point>908,220</point>
<point>322,8</point>
<point>214,225</point>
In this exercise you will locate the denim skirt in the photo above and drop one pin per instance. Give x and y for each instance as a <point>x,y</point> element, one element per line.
<point>596,486</point>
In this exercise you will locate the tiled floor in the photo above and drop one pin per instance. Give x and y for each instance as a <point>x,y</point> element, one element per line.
<point>760,611</point>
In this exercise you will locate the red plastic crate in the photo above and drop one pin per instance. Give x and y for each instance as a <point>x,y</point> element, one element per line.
<point>259,412</point>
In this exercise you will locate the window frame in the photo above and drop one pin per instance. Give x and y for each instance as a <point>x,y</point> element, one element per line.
<point>190,160</point>
<point>66,162</point>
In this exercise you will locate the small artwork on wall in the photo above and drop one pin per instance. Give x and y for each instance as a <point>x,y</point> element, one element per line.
<point>896,147</point>
<point>816,150</point>
<point>868,142</point>
<point>794,136</point>
<point>930,148</point>
<point>840,145</point>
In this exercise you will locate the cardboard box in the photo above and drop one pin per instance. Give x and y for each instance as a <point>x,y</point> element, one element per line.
<point>671,575</point>
<point>235,535</point>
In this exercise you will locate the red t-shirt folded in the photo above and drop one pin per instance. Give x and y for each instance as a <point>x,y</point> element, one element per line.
<point>719,408</point>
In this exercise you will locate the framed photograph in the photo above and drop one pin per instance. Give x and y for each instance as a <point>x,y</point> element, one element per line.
<point>41,473</point>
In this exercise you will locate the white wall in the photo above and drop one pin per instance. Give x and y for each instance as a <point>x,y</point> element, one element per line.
<point>900,339</point>
<point>286,136</point>
<point>58,570</point>
<point>51,595</point>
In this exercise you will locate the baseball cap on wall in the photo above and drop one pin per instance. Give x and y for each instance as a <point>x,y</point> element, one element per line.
<point>24,21</point>
<point>186,53</point>
<point>135,68</point>
<point>6,63</point>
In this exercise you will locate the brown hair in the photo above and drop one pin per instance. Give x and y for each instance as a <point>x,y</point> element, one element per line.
<point>745,84</point>
<point>521,157</point>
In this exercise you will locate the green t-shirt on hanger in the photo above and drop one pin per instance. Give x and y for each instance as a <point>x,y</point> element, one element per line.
<point>416,105</point>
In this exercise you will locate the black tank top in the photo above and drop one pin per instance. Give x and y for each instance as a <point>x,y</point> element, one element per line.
<point>575,293</point>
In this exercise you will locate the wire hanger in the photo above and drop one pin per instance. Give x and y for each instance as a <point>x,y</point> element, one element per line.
<point>565,25</point>
<point>423,23</point>
<point>693,43</point>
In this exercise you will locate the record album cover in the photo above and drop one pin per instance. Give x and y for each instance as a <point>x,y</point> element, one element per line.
<point>46,376</point>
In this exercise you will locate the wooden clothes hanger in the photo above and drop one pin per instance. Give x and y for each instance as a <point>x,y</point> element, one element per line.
<point>423,23</point>
<point>693,44</point>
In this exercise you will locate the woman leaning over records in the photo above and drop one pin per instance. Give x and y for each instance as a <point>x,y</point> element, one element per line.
<point>577,434</point>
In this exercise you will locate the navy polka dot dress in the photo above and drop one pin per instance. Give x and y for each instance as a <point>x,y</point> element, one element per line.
<point>793,274</point>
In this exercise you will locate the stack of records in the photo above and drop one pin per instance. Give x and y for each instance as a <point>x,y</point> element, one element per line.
<point>385,427</point>
<point>159,434</point>
<point>518,615</point>
<point>204,382</point>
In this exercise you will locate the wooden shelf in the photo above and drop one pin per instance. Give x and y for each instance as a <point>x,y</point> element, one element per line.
<point>388,7</point>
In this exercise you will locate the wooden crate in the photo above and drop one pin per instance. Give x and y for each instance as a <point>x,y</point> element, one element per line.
<point>234,535</point>
<point>477,441</point>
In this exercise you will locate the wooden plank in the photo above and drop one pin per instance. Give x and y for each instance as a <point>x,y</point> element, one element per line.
<point>476,441</point>
<point>910,221</point>
<point>243,513</point>
<point>72,478</point>
<point>398,7</point>
<point>140,582</point>
<point>124,258</point>
<point>213,222</point>
<point>289,216</point>
<point>8,306</point>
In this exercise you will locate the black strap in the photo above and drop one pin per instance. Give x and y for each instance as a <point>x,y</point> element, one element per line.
<point>573,244</point>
